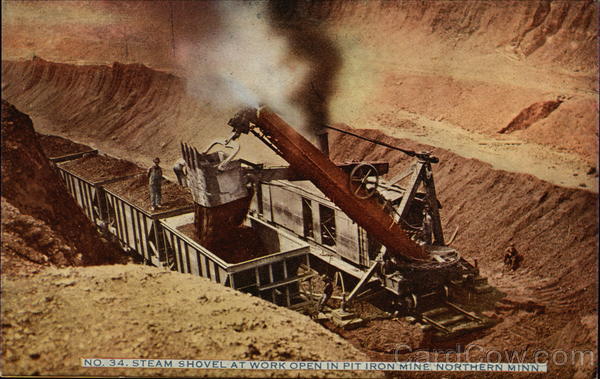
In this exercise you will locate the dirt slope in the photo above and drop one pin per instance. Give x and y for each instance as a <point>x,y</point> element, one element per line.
<point>38,213</point>
<point>52,319</point>
<point>127,110</point>
<point>554,228</point>
<point>475,64</point>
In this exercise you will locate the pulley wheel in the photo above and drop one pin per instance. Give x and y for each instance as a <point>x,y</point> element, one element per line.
<point>360,185</point>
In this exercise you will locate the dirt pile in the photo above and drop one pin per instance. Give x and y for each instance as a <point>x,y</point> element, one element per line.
<point>99,168</point>
<point>28,243</point>
<point>38,208</point>
<point>241,243</point>
<point>137,191</point>
<point>530,115</point>
<point>52,319</point>
<point>386,336</point>
<point>214,226</point>
<point>554,228</point>
<point>55,146</point>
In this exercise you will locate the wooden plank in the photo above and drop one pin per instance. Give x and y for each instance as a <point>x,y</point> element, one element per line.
<point>285,282</point>
<point>412,187</point>
<point>438,233</point>
<point>363,280</point>
<point>144,228</point>
<point>69,157</point>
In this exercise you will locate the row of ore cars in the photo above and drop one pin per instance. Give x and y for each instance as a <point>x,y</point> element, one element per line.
<point>113,193</point>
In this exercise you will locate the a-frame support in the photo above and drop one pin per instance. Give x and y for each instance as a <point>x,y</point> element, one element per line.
<point>422,173</point>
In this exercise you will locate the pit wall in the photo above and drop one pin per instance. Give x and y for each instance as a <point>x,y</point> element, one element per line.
<point>482,66</point>
<point>477,65</point>
<point>41,212</point>
<point>118,108</point>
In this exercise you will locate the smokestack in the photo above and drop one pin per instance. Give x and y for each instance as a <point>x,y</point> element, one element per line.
<point>323,141</point>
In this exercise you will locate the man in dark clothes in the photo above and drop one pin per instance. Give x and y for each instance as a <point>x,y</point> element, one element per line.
<point>154,182</point>
<point>327,292</point>
<point>512,258</point>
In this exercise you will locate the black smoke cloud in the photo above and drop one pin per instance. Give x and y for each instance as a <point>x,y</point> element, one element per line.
<point>310,42</point>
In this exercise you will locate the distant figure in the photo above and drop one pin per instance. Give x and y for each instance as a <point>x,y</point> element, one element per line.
<point>512,258</point>
<point>154,182</point>
<point>180,170</point>
<point>327,292</point>
<point>427,226</point>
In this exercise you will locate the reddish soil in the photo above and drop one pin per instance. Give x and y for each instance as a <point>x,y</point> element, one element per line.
<point>216,224</point>
<point>29,244</point>
<point>530,115</point>
<point>240,245</point>
<point>55,146</point>
<point>98,168</point>
<point>137,191</point>
<point>386,336</point>
<point>41,223</point>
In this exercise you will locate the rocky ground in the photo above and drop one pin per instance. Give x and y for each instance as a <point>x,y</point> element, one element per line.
<point>53,317</point>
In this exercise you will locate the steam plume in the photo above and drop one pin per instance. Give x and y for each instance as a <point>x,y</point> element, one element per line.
<point>263,53</point>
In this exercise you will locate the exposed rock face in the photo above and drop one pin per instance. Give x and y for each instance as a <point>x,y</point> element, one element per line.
<point>38,213</point>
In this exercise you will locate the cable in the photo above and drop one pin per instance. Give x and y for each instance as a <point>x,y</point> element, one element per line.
<point>411,153</point>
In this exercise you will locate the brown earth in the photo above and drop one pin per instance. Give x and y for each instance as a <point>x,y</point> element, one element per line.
<point>125,110</point>
<point>29,244</point>
<point>241,244</point>
<point>55,317</point>
<point>55,146</point>
<point>98,168</point>
<point>214,226</point>
<point>137,191</point>
<point>38,213</point>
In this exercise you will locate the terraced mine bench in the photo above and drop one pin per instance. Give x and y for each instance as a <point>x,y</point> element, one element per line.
<point>272,275</point>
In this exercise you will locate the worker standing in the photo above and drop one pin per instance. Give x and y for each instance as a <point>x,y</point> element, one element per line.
<point>180,170</point>
<point>427,226</point>
<point>512,258</point>
<point>154,182</point>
